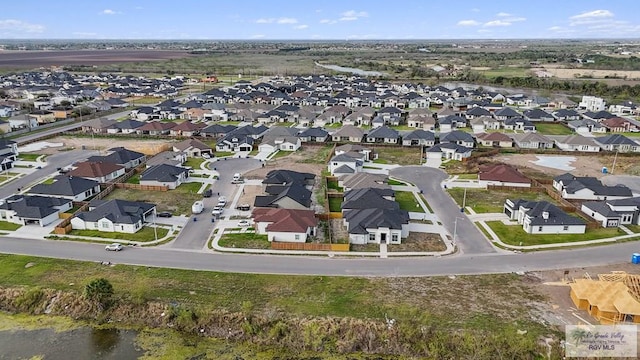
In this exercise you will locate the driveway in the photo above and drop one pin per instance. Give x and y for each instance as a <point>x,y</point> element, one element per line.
<point>469,239</point>
<point>195,234</point>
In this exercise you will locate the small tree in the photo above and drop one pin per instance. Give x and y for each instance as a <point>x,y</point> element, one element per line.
<point>99,290</point>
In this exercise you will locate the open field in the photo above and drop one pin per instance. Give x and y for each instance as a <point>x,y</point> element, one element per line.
<point>585,165</point>
<point>492,201</point>
<point>592,73</point>
<point>515,235</point>
<point>176,201</point>
<point>148,147</point>
<point>397,155</point>
<point>244,241</point>
<point>420,242</point>
<point>33,59</point>
<point>552,129</point>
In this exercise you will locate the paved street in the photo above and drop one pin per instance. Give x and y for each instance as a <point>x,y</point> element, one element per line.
<point>317,265</point>
<point>196,233</point>
<point>468,238</point>
<point>55,161</point>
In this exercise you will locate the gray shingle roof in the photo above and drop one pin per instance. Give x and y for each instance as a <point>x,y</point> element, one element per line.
<point>163,173</point>
<point>118,211</point>
<point>65,186</point>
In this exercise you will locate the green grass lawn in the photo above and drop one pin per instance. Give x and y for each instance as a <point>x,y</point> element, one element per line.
<point>492,201</point>
<point>402,127</point>
<point>224,153</point>
<point>633,228</point>
<point>398,155</point>
<point>552,129</point>
<point>143,235</point>
<point>505,72</point>
<point>194,162</point>
<point>334,126</point>
<point>335,204</point>
<point>514,235</point>
<point>281,154</point>
<point>29,156</point>
<point>7,226</point>
<point>190,187</point>
<point>408,201</point>
<point>395,182</point>
<point>245,241</point>
<point>333,184</point>
<point>135,179</point>
<point>48,181</point>
<point>467,176</point>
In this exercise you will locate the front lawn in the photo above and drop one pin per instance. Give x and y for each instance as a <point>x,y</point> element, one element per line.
<point>135,179</point>
<point>392,182</point>
<point>398,155</point>
<point>515,235</point>
<point>419,242</point>
<point>467,177</point>
<point>552,129</point>
<point>335,204</point>
<point>7,226</point>
<point>408,201</point>
<point>189,188</point>
<point>492,201</point>
<point>224,153</point>
<point>333,184</point>
<point>245,241</point>
<point>194,162</point>
<point>29,156</point>
<point>143,235</point>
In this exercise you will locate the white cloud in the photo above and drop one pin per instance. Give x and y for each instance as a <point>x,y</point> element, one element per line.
<point>84,34</point>
<point>257,36</point>
<point>283,20</point>
<point>287,21</point>
<point>593,14</point>
<point>13,28</point>
<point>327,21</point>
<point>109,12</point>
<point>362,37</point>
<point>475,10</point>
<point>556,28</point>
<point>301,27</point>
<point>468,23</point>
<point>503,14</point>
<point>497,23</point>
<point>352,15</point>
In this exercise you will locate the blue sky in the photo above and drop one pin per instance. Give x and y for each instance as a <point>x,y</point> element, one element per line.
<point>326,19</point>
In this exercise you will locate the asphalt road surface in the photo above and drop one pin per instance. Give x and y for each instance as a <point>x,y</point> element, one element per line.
<point>195,234</point>
<point>320,265</point>
<point>468,238</point>
<point>54,162</point>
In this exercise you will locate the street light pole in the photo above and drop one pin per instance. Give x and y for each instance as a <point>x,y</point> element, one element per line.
<point>455,230</point>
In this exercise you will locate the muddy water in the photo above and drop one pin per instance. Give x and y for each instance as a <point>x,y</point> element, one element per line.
<point>78,344</point>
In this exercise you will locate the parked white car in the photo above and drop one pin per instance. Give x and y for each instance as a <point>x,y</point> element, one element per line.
<point>217,211</point>
<point>114,247</point>
<point>244,223</point>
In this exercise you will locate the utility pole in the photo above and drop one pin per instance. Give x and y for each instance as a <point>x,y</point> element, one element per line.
<point>464,200</point>
<point>455,230</point>
<point>613,167</point>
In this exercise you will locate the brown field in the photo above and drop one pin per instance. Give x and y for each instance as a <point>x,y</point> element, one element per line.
<point>591,73</point>
<point>31,59</point>
<point>147,147</point>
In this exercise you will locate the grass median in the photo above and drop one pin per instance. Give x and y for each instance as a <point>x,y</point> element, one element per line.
<point>515,235</point>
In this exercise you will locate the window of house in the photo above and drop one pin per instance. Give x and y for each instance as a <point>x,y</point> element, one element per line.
<point>565,228</point>
<point>539,228</point>
<point>394,237</point>
<point>297,237</point>
<point>372,237</point>
<point>104,225</point>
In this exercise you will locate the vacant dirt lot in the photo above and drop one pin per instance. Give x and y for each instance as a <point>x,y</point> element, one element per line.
<point>148,147</point>
<point>584,165</point>
<point>590,73</point>
<point>309,159</point>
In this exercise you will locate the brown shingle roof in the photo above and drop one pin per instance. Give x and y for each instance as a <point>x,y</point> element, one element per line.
<point>157,125</point>
<point>502,172</point>
<point>93,169</point>
<point>285,220</point>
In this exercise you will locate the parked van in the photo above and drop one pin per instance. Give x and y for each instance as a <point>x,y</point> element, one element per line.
<point>197,207</point>
<point>237,176</point>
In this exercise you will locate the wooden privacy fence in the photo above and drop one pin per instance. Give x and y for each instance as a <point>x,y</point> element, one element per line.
<point>141,187</point>
<point>309,246</point>
<point>516,188</point>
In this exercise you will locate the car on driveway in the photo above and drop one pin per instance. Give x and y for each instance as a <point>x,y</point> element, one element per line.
<point>165,214</point>
<point>217,210</point>
<point>207,193</point>
<point>222,203</point>
<point>114,247</point>
<point>244,223</point>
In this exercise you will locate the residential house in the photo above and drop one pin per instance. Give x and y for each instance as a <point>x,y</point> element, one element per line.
<point>101,172</point>
<point>128,126</point>
<point>506,113</point>
<point>426,122</point>
<point>363,180</point>
<point>164,175</point>
<point>43,116</point>
<point>285,225</point>
<point>187,129</point>
<point>538,115</point>
<point>567,115</point>
<point>617,142</point>
<point>542,217</point>
<point>519,124</point>
<point>384,135</point>
<point>587,126</point>
<point>216,130</point>
<point>167,157</point>
<point>348,133</point>
<point>114,216</point>
<point>98,125</point>
<point>344,164</point>
<point>121,156</point>
<point>613,213</point>
<point>592,103</point>
<point>502,175</point>
<point>451,122</point>
<point>356,150</point>
<point>619,124</point>
<point>313,135</point>
<point>24,121</point>
<point>624,108</point>
<point>193,148</point>
<point>287,177</point>
<point>494,139</point>
<point>577,142</point>
<point>588,188</point>
<point>280,138</point>
<point>458,137</point>
<point>532,141</point>
<point>477,112</point>
<point>419,137</point>
<point>289,196</point>
<point>33,209</point>
<point>8,153</point>
<point>69,187</point>
<point>156,128</point>
<point>449,151</point>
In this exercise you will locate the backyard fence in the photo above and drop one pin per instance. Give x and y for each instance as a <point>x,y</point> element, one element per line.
<point>309,246</point>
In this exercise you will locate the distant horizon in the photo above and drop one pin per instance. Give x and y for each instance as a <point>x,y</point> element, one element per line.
<point>327,20</point>
<point>323,40</point>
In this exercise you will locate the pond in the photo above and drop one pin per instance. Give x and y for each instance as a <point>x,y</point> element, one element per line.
<point>351,70</point>
<point>80,343</point>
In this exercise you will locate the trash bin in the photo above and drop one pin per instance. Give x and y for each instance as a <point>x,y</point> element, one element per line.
<point>635,258</point>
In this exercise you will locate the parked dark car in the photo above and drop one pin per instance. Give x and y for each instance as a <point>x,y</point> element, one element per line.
<point>165,214</point>
<point>243,207</point>
<point>207,193</point>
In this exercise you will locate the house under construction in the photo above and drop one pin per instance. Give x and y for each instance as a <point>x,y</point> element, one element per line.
<point>613,298</point>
